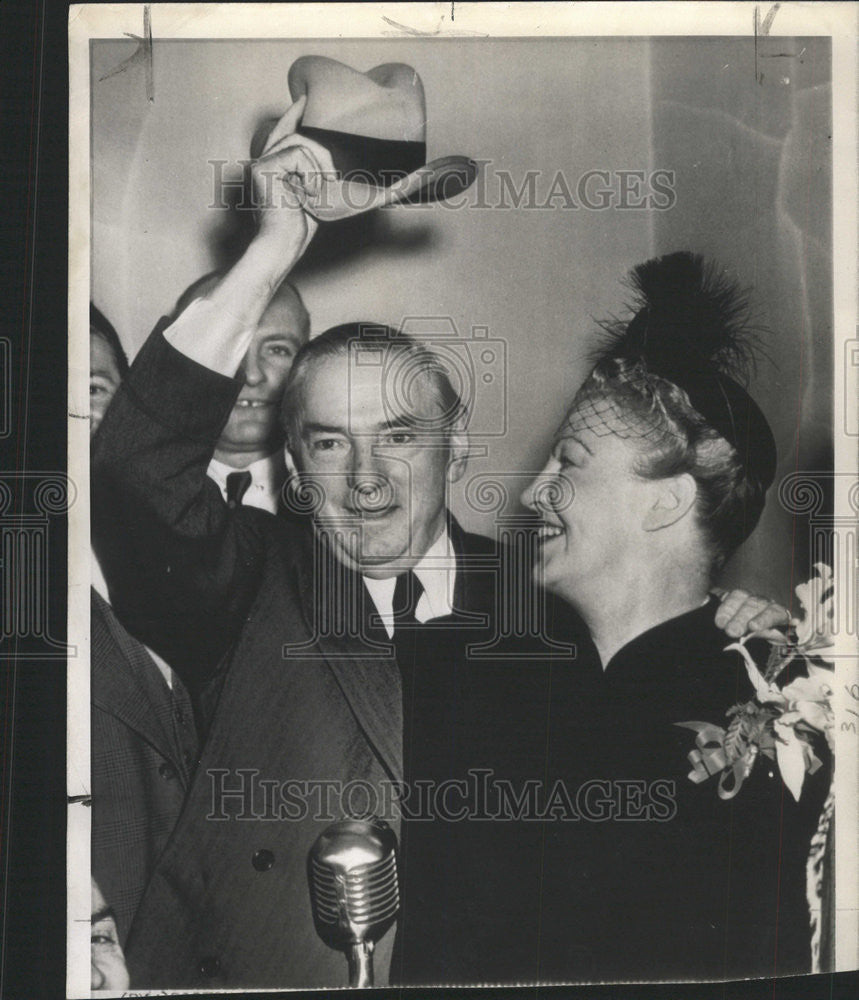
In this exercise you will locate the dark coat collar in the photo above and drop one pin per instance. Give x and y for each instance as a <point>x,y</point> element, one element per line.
<point>648,654</point>
<point>129,685</point>
<point>678,666</point>
<point>477,570</point>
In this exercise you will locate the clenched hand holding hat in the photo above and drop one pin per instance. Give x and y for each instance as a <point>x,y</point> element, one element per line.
<point>373,125</point>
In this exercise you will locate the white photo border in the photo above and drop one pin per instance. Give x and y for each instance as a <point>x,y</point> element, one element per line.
<point>434,20</point>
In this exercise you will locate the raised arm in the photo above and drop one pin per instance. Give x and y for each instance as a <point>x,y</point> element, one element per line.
<point>182,568</point>
<point>216,330</point>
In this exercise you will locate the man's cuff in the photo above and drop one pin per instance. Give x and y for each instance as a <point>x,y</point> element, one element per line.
<point>209,336</point>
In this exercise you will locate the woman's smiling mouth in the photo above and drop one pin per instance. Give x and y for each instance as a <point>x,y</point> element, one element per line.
<point>547,531</point>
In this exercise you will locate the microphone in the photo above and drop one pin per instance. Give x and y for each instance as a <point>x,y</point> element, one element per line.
<point>354,889</point>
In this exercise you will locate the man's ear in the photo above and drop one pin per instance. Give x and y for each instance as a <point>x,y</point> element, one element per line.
<point>290,461</point>
<point>458,454</point>
<point>673,498</point>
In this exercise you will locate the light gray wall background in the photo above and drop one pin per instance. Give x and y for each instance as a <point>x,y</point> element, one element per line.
<point>748,138</point>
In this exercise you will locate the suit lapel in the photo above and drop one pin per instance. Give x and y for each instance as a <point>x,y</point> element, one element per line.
<point>372,687</point>
<point>368,676</point>
<point>127,683</point>
<point>365,668</point>
<point>473,591</point>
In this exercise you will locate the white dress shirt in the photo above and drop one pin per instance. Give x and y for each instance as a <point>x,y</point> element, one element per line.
<point>437,574</point>
<point>267,478</point>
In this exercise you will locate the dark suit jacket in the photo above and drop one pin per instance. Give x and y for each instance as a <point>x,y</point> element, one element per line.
<point>477,710</point>
<point>223,594</point>
<point>143,752</point>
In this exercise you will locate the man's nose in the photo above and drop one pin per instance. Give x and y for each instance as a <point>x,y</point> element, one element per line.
<point>368,483</point>
<point>97,978</point>
<point>364,463</point>
<point>250,369</point>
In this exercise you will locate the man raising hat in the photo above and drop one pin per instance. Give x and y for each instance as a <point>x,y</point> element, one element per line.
<point>297,702</point>
<point>208,585</point>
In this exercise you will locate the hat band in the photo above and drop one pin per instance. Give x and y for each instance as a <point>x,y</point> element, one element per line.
<point>380,162</point>
<point>729,409</point>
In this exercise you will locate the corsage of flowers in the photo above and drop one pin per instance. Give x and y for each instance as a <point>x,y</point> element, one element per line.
<point>780,721</point>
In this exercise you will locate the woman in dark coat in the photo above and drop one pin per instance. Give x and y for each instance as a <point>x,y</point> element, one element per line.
<point>591,855</point>
<point>659,473</point>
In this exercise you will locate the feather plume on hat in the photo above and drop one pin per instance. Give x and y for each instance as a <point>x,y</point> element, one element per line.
<point>692,326</point>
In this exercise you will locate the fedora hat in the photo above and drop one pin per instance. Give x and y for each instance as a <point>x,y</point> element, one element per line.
<point>374,126</point>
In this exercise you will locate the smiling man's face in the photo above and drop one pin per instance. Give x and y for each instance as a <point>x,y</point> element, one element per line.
<point>252,430</point>
<point>104,378</point>
<point>378,468</point>
<point>109,971</point>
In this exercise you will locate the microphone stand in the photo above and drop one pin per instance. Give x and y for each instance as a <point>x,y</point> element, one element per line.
<point>354,890</point>
<point>360,959</point>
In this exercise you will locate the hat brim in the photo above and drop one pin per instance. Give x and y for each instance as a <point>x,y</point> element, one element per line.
<point>439,180</point>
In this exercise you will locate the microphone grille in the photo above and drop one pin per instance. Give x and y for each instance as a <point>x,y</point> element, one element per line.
<point>368,894</point>
<point>353,881</point>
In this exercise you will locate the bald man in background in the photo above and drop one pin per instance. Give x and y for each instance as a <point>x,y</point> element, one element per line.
<point>248,464</point>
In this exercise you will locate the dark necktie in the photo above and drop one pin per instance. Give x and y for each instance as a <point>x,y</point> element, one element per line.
<point>407,593</point>
<point>237,486</point>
